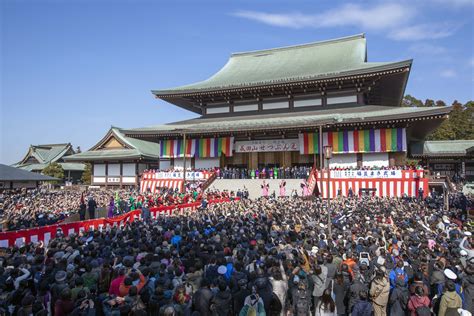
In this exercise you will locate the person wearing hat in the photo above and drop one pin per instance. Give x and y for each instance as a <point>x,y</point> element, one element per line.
<point>450,301</point>
<point>379,292</point>
<point>58,286</point>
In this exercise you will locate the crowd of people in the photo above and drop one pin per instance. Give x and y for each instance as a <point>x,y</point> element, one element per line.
<point>295,172</point>
<point>268,256</point>
<point>22,209</point>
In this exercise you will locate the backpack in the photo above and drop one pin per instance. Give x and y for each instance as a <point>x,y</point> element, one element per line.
<point>452,311</point>
<point>275,305</point>
<point>423,311</point>
<point>302,306</point>
<point>145,293</point>
<point>251,309</point>
<point>137,305</point>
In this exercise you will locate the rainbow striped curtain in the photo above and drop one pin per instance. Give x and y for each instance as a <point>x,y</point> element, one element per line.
<point>202,147</point>
<point>357,141</point>
<point>309,143</point>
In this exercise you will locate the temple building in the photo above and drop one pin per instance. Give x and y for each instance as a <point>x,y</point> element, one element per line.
<point>269,107</point>
<point>447,158</point>
<point>39,157</point>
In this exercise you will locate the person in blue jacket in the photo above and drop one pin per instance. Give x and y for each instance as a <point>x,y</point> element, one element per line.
<point>398,273</point>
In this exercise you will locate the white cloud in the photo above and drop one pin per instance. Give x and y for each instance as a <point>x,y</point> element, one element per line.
<point>454,3</point>
<point>448,73</point>
<point>428,49</point>
<point>471,62</point>
<point>379,17</point>
<point>423,31</point>
<point>394,19</point>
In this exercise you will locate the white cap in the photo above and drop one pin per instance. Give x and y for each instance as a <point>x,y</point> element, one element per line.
<point>467,234</point>
<point>222,270</point>
<point>463,253</point>
<point>450,274</point>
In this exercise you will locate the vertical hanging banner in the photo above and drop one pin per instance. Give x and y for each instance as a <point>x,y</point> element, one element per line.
<point>309,143</point>
<point>356,141</point>
<point>199,147</point>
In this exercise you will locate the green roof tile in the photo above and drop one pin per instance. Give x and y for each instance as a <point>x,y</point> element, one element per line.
<point>343,56</point>
<point>443,148</point>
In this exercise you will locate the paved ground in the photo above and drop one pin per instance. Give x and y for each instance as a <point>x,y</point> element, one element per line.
<point>254,186</point>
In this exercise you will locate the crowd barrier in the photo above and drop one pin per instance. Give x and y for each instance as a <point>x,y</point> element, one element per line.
<point>46,233</point>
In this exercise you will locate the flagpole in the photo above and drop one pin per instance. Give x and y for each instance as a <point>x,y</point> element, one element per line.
<point>320,161</point>
<point>184,163</point>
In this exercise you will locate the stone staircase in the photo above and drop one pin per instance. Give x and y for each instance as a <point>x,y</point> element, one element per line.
<point>254,186</point>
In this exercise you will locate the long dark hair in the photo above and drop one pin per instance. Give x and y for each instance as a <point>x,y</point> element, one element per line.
<point>327,303</point>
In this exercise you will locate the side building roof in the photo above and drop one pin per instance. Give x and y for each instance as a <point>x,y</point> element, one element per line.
<point>8,173</point>
<point>39,157</point>
<point>443,148</point>
<point>115,145</point>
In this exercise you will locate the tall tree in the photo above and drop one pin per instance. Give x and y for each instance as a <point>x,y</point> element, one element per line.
<point>87,174</point>
<point>429,103</point>
<point>54,170</point>
<point>440,103</point>
<point>410,101</point>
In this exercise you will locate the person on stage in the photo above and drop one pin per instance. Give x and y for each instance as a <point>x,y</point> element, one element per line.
<point>304,186</point>
<point>265,188</point>
<point>111,208</point>
<point>82,208</point>
<point>282,188</point>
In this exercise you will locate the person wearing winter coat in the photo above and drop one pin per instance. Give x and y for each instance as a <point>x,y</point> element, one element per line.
<point>450,301</point>
<point>468,288</point>
<point>254,302</point>
<point>301,299</point>
<point>379,292</point>
<point>319,282</point>
<point>418,301</point>
<point>340,291</point>
<point>202,299</point>
<point>221,303</point>
<point>362,307</point>
<point>355,289</point>
<point>264,288</point>
<point>326,305</point>
<point>398,299</point>
<point>279,282</point>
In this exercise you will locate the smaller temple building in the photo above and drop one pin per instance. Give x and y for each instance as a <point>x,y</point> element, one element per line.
<point>14,178</point>
<point>39,157</point>
<point>447,158</point>
<point>118,160</point>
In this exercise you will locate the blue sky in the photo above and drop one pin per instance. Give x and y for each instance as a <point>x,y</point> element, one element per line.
<point>72,68</point>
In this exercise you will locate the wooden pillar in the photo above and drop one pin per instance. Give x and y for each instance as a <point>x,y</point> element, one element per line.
<point>137,175</point>
<point>286,159</point>
<point>359,160</point>
<point>92,173</point>
<point>106,173</point>
<point>121,174</point>
<point>253,160</point>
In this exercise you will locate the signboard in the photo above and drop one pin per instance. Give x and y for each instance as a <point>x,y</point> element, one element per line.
<point>267,145</point>
<point>366,174</point>
<point>113,179</point>
<point>190,175</point>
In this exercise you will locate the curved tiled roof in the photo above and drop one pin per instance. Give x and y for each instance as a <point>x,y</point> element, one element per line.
<point>338,57</point>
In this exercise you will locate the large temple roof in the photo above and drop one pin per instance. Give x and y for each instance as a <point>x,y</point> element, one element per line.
<point>359,114</point>
<point>328,59</point>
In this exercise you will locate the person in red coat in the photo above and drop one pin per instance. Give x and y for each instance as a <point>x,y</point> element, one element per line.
<point>418,301</point>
